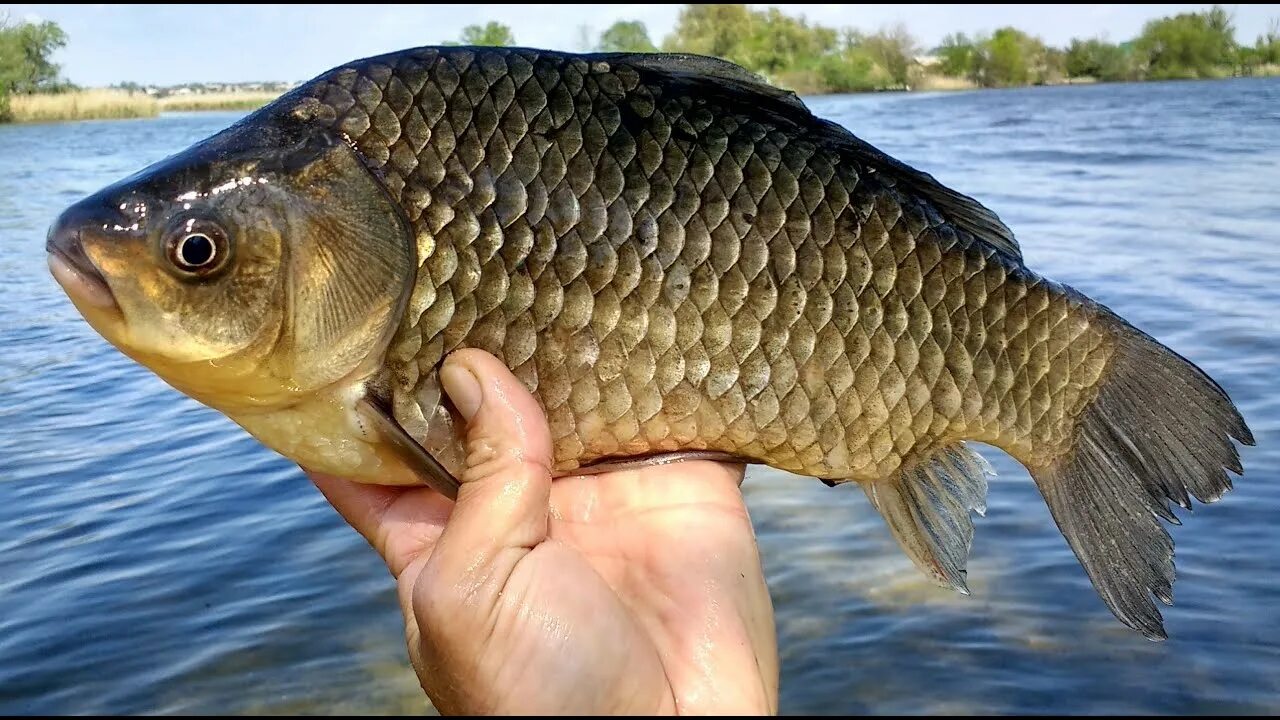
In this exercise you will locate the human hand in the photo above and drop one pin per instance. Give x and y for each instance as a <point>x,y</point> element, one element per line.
<point>636,591</point>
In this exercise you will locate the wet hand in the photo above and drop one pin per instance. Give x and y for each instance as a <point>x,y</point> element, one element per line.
<point>636,591</point>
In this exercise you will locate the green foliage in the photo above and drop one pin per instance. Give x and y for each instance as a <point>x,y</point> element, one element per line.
<point>626,36</point>
<point>1269,45</point>
<point>1265,51</point>
<point>793,52</point>
<point>26,67</point>
<point>776,43</point>
<point>1099,59</point>
<point>1188,45</point>
<point>1248,57</point>
<point>1008,58</point>
<point>893,50</point>
<point>491,34</point>
<point>715,30</point>
<point>959,56</point>
<point>1053,66</point>
<point>854,70</point>
<point>25,52</point>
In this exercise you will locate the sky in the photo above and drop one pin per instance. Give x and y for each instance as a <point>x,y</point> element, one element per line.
<point>172,44</point>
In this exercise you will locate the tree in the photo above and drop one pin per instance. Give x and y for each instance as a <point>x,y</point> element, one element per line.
<point>626,36</point>
<point>491,34</point>
<point>777,42</point>
<point>793,52</point>
<point>959,56</point>
<point>894,50</point>
<point>1248,58</point>
<point>1099,59</point>
<point>25,64</point>
<point>1011,57</point>
<point>25,52</point>
<point>716,30</point>
<point>1188,44</point>
<point>852,69</point>
<point>1266,50</point>
<point>1004,60</point>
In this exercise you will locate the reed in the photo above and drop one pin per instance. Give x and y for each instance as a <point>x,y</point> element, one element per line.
<point>1264,70</point>
<point>82,105</point>
<point>217,101</point>
<point>932,82</point>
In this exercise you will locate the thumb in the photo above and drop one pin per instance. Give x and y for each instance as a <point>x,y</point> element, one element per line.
<point>504,495</point>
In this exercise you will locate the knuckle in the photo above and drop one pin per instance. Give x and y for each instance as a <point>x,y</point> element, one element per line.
<point>493,457</point>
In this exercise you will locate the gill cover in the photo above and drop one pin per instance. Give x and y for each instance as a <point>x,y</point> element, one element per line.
<point>316,267</point>
<point>350,265</point>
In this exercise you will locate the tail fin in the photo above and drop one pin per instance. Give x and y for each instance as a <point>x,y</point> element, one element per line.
<point>1158,428</point>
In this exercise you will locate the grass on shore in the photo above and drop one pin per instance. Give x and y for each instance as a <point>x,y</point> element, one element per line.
<point>1264,70</point>
<point>217,101</point>
<point>82,105</point>
<point>107,104</point>
<point>931,82</point>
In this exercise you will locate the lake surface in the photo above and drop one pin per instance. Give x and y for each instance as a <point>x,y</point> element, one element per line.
<point>154,558</point>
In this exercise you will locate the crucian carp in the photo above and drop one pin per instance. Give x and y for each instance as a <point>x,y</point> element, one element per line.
<point>678,260</point>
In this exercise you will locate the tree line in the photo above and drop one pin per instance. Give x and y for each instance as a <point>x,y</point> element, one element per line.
<point>808,57</point>
<point>1183,46</point>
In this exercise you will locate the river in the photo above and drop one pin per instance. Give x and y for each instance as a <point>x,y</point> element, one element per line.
<point>156,559</point>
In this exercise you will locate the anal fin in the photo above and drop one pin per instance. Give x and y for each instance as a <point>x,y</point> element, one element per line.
<point>926,506</point>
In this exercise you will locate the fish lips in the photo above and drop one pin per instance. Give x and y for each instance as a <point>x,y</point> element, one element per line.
<point>74,270</point>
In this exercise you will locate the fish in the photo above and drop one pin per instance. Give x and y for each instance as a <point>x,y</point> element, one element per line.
<point>679,261</point>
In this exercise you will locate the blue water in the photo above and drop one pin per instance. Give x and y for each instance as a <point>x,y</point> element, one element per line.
<point>154,558</point>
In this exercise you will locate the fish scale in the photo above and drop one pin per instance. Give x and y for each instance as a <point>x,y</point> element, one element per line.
<point>754,237</point>
<point>679,261</point>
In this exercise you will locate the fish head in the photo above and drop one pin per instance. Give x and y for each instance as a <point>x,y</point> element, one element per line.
<point>256,268</point>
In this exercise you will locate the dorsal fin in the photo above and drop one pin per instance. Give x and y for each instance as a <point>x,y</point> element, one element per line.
<point>961,210</point>
<point>701,67</point>
<point>735,84</point>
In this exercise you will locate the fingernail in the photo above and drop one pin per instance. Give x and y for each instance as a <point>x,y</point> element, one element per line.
<point>463,389</point>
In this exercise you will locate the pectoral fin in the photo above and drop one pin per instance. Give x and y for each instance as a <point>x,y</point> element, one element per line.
<point>407,449</point>
<point>927,508</point>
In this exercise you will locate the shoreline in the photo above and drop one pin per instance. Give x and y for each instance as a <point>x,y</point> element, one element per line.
<point>114,104</point>
<point>1085,81</point>
<point>100,104</point>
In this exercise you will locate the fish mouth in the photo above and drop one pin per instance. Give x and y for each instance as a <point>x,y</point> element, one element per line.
<point>76,273</point>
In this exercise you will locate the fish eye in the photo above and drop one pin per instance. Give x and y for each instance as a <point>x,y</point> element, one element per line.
<point>197,247</point>
<point>196,250</point>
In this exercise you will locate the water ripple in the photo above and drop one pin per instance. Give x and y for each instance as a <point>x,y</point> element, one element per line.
<point>155,559</point>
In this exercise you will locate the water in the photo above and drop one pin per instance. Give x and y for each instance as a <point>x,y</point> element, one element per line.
<point>154,558</point>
